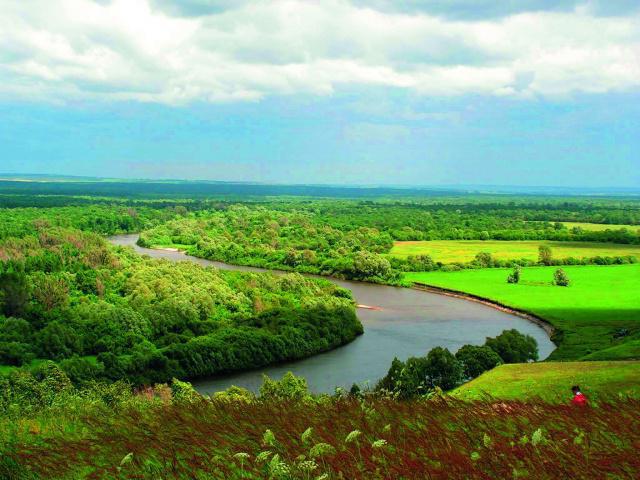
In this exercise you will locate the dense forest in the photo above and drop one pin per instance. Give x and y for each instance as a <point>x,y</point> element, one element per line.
<point>105,312</point>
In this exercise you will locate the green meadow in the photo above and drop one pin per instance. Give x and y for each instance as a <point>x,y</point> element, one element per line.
<point>599,227</point>
<point>450,251</point>
<point>597,317</point>
<point>552,381</point>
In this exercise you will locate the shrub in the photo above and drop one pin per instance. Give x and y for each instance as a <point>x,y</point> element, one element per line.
<point>514,277</point>
<point>484,259</point>
<point>514,347</point>
<point>288,387</point>
<point>560,278</point>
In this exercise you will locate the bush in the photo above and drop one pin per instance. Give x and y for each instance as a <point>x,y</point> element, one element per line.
<point>514,347</point>
<point>477,359</point>
<point>514,277</point>
<point>289,387</point>
<point>560,278</point>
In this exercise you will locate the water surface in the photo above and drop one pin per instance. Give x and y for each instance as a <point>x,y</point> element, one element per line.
<point>410,323</point>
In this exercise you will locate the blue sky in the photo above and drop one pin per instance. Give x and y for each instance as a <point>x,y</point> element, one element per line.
<point>360,92</point>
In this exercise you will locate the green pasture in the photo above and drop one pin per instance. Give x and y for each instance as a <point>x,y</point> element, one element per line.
<point>599,227</point>
<point>553,380</point>
<point>597,317</point>
<point>450,251</point>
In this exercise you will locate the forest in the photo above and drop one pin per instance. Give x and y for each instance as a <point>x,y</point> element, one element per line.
<point>100,312</point>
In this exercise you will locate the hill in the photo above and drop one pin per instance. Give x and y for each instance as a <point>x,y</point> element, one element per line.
<point>552,381</point>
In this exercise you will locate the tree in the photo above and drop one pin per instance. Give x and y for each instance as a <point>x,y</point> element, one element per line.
<point>477,359</point>
<point>514,347</point>
<point>418,375</point>
<point>545,255</point>
<point>514,277</point>
<point>14,293</point>
<point>560,278</point>
<point>366,264</point>
<point>442,369</point>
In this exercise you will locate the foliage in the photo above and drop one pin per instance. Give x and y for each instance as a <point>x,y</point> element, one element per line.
<point>72,298</point>
<point>514,347</point>
<point>514,276</point>
<point>289,387</point>
<point>420,375</point>
<point>477,359</point>
<point>545,255</point>
<point>560,278</point>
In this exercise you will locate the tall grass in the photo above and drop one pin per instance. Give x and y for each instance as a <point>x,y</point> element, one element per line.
<point>333,438</point>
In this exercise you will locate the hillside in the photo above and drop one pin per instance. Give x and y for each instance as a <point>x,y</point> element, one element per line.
<point>552,381</point>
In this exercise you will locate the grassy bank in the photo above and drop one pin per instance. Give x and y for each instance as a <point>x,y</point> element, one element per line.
<point>552,381</point>
<point>450,251</point>
<point>597,316</point>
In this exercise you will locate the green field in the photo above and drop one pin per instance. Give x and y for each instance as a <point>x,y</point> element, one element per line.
<point>600,227</point>
<point>449,251</point>
<point>553,380</point>
<point>600,301</point>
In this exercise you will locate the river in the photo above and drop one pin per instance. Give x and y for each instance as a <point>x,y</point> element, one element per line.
<point>408,323</point>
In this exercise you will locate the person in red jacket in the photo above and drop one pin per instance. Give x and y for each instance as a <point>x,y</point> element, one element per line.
<point>579,399</point>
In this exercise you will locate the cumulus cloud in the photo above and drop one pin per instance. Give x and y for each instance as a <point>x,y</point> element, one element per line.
<point>168,52</point>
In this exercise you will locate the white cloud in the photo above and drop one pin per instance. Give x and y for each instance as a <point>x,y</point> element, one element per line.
<point>60,50</point>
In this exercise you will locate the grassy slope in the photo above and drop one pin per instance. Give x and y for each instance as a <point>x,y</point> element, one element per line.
<point>600,301</point>
<point>553,380</point>
<point>448,251</point>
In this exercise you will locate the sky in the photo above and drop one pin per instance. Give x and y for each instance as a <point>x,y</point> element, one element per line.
<point>375,92</point>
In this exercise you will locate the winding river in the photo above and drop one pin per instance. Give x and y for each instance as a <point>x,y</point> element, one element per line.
<point>408,323</point>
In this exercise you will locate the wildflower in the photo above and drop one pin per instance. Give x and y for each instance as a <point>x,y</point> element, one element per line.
<point>263,456</point>
<point>278,468</point>
<point>352,436</point>
<point>321,449</point>
<point>306,435</point>
<point>308,466</point>
<point>486,440</point>
<point>268,438</point>
<point>537,437</point>
<point>379,443</point>
<point>126,459</point>
<point>241,456</point>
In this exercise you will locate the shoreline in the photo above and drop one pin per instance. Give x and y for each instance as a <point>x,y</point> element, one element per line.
<point>546,326</point>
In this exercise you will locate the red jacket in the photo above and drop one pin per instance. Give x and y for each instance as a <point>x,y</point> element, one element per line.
<point>579,400</point>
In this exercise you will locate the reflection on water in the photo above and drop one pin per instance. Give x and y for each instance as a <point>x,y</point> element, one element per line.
<point>410,323</point>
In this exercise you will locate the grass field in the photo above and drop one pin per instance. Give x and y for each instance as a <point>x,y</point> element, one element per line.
<point>449,251</point>
<point>600,227</point>
<point>600,301</point>
<point>552,381</point>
